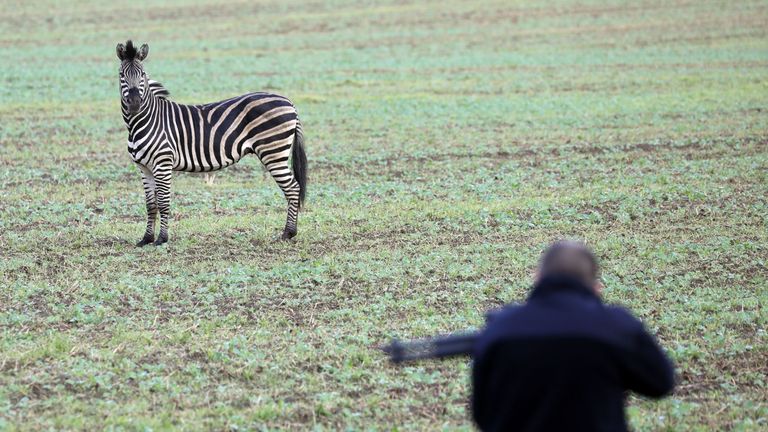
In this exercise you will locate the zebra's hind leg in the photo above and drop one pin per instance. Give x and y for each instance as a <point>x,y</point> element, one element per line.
<point>275,159</point>
<point>291,191</point>
<point>148,180</point>
<point>290,188</point>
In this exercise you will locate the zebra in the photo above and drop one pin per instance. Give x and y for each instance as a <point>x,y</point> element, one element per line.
<point>165,136</point>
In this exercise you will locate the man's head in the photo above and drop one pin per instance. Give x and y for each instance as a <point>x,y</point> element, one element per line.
<point>573,259</point>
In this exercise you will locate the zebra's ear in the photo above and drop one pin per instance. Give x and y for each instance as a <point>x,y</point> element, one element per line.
<point>143,51</point>
<point>121,51</point>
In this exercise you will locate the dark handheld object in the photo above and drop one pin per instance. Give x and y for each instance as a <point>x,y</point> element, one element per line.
<point>439,347</point>
<point>452,345</point>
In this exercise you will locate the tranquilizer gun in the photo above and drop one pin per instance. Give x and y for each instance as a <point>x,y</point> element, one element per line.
<point>439,347</point>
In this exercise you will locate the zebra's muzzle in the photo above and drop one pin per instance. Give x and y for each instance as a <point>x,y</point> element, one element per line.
<point>133,101</point>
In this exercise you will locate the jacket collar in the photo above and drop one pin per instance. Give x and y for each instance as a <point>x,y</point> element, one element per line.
<point>559,284</point>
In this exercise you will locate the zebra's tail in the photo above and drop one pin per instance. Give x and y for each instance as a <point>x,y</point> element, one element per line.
<point>299,162</point>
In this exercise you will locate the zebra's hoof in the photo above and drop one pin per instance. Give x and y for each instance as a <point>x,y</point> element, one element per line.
<point>160,240</point>
<point>287,235</point>
<point>145,241</point>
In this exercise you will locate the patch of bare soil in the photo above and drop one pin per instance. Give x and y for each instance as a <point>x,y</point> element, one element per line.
<point>691,147</point>
<point>729,370</point>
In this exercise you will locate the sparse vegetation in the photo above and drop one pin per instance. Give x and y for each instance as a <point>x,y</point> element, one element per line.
<point>449,142</point>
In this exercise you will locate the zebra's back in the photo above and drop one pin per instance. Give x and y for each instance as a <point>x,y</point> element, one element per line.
<point>212,136</point>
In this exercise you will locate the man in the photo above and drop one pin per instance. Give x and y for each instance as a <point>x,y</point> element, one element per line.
<point>564,361</point>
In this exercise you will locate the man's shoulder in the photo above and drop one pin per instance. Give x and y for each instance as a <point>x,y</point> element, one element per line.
<point>608,323</point>
<point>505,312</point>
<point>501,322</point>
<point>623,317</point>
<point>525,311</point>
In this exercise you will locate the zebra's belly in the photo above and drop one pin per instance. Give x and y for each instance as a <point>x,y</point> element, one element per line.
<point>180,165</point>
<point>212,156</point>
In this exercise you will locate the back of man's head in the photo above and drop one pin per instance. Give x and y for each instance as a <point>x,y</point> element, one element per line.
<point>570,258</point>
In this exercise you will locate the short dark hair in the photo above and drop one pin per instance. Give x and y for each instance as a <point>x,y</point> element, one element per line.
<point>569,258</point>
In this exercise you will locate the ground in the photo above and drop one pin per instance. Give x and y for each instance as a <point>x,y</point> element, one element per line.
<point>448,143</point>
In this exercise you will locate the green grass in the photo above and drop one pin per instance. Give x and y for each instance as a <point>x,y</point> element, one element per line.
<point>449,142</point>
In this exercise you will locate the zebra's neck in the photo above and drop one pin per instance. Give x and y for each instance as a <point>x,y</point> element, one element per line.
<point>147,118</point>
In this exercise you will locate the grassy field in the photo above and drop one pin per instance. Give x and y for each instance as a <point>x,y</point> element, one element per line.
<point>448,141</point>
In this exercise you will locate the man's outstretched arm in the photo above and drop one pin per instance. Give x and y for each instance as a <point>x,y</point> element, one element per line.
<point>649,371</point>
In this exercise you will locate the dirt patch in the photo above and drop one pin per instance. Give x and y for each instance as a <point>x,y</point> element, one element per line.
<point>734,371</point>
<point>692,146</point>
<point>521,153</point>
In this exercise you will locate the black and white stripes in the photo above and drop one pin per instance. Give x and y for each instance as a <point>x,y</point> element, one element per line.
<point>164,136</point>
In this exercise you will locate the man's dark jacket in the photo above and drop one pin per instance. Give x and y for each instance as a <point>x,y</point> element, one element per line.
<point>563,362</point>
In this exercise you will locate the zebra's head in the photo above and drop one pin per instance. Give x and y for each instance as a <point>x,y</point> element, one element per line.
<point>134,84</point>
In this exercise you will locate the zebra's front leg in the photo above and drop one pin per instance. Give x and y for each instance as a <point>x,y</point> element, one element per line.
<point>162,174</point>
<point>148,180</point>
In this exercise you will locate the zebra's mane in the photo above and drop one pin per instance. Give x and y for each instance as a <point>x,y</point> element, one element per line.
<point>130,51</point>
<point>158,90</point>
